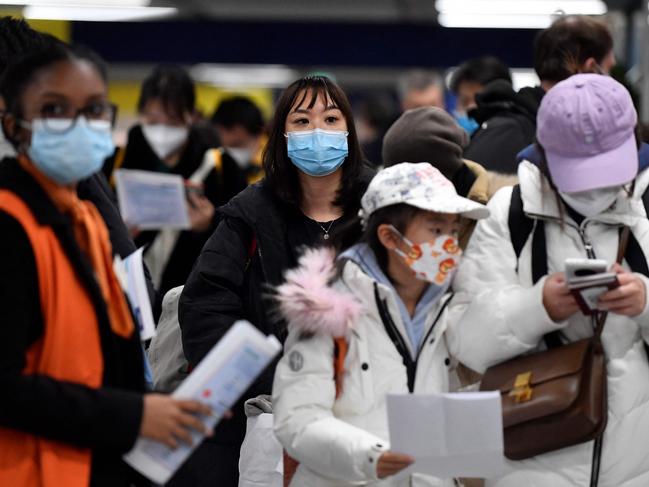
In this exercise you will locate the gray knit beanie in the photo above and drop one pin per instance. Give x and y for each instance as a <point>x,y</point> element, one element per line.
<point>426,134</point>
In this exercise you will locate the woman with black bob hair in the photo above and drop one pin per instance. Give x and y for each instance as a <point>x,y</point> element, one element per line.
<point>71,364</point>
<point>283,175</point>
<point>315,177</point>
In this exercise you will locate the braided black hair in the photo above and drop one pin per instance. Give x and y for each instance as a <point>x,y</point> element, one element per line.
<point>20,73</point>
<point>17,38</point>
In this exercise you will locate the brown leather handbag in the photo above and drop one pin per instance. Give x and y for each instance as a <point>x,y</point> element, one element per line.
<point>555,398</point>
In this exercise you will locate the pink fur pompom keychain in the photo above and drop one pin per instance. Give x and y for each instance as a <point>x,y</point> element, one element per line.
<point>308,302</point>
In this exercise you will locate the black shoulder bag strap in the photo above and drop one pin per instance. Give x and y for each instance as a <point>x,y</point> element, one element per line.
<point>520,227</point>
<point>600,320</point>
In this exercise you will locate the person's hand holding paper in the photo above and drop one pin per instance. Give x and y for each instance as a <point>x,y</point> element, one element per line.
<point>218,381</point>
<point>169,420</point>
<point>449,435</point>
<point>391,463</point>
<point>201,212</point>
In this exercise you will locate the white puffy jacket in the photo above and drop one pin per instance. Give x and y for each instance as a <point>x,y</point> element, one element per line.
<point>338,441</point>
<point>498,314</point>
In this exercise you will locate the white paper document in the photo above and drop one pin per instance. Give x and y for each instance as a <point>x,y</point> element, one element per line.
<point>150,201</point>
<point>219,380</point>
<point>449,435</point>
<point>130,273</point>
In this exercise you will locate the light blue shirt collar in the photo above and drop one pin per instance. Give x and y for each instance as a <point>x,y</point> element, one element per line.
<point>415,326</point>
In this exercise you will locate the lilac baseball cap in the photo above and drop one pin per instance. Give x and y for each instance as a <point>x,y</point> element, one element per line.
<point>586,126</point>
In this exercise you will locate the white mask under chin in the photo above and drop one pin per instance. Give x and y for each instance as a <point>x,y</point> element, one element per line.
<point>592,202</point>
<point>164,139</point>
<point>241,155</point>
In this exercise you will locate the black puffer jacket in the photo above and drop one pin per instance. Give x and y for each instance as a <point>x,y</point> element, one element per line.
<point>258,238</point>
<point>507,125</point>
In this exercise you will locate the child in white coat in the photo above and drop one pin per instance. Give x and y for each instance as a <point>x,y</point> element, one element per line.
<point>369,325</point>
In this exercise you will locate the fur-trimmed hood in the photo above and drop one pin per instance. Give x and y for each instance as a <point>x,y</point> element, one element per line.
<point>309,303</point>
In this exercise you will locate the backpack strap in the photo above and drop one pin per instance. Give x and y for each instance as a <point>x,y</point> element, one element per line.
<point>634,255</point>
<point>539,252</point>
<point>520,227</point>
<point>540,269</point>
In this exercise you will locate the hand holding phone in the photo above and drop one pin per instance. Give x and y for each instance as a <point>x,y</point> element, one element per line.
<point>630,298</point>
<point>587,280</point>
<point>558,301</point>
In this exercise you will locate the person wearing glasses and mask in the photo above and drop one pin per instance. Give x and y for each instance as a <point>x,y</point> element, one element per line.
<point>315,176</point>
<point>166,141</point>
<point>17,39</point>
<point>71,364</point>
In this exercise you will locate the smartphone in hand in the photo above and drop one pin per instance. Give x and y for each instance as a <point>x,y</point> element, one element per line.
<point>587,280</point>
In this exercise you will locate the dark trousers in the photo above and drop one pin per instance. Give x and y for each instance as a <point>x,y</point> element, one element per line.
<point>210,465</point>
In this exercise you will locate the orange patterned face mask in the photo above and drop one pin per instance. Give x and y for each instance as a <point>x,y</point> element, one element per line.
<point>433,261</point>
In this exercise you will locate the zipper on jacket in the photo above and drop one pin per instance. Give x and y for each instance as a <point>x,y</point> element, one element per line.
<point>397,339</point>
<point>588,245</point>
<point>585,240</point>
<point>430,330</point>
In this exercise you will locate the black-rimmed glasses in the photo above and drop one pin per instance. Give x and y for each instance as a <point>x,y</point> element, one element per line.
<point>60,117</point>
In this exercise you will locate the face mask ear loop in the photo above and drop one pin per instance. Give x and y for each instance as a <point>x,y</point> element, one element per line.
<point>20,146</point>
<point>404,239</point>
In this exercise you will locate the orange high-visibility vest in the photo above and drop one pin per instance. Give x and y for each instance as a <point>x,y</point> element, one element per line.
<point>68,350</point>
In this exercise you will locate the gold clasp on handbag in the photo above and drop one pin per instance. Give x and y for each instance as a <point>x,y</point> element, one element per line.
<point>522,390</point>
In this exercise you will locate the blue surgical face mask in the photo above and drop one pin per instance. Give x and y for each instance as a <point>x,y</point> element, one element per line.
<point>73,155</point>
<point>317,152</point>
<point>467,123</point>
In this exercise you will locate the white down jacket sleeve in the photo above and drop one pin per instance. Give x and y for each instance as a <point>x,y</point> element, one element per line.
<point>494,316</point>
<point>303,400</point>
